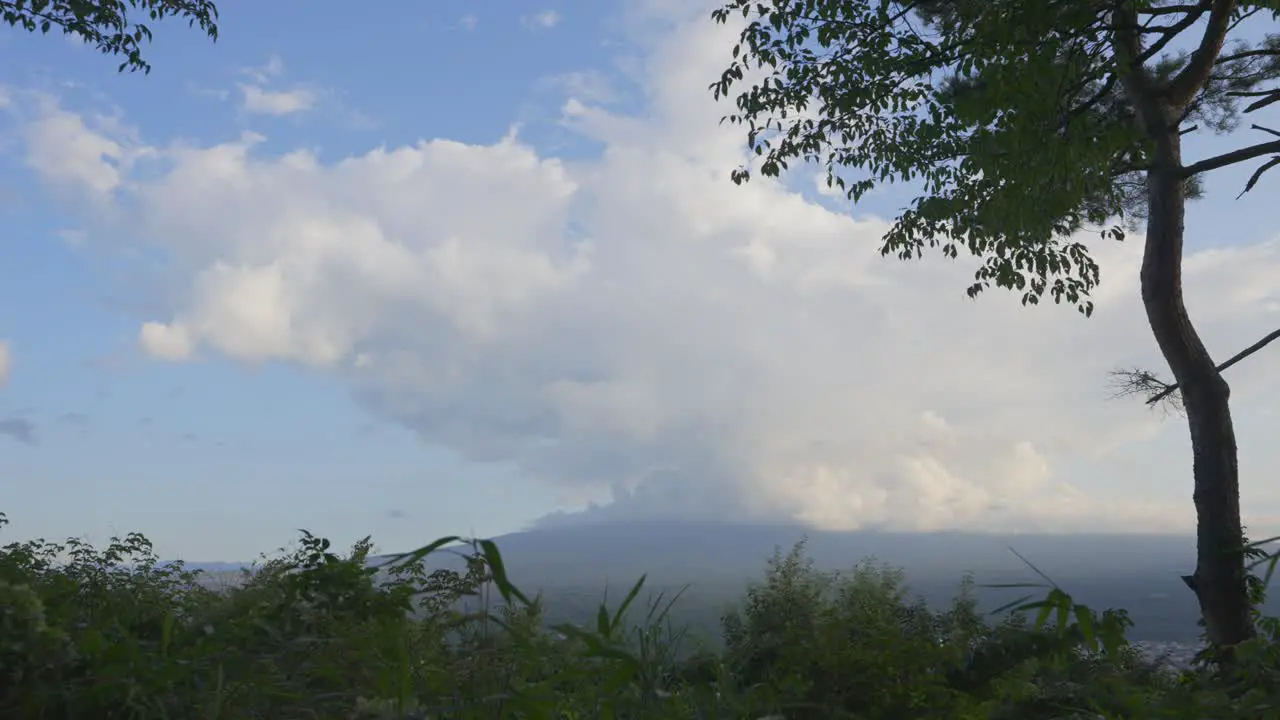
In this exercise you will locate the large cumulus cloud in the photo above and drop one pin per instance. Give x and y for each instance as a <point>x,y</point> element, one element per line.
<point>643,334</point>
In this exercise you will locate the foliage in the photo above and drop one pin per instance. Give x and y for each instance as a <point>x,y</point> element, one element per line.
<point>108,24</point>
<point>112,633</point>
<point>1010,117</point>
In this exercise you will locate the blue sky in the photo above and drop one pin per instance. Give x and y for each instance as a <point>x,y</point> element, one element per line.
<point>120,439</point>
<point>588,310</point>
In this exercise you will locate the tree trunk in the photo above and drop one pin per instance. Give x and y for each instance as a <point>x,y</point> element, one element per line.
<point>1220,577</point>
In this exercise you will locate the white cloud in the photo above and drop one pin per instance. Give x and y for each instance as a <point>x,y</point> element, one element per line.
<point>468,22</point>
<point>6,363</point>
<point>167,342</point>
<point>544,20</point>
<point>62,148</point>
<point>277,103</point>
<point>637,327</point>
<point>257,99</point>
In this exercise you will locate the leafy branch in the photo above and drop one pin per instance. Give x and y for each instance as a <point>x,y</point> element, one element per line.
<point>107,24</point>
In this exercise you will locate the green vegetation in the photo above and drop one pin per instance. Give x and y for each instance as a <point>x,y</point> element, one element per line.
<point>111,633</point>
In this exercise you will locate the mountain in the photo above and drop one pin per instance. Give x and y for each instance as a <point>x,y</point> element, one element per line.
<point>1141,573</point>
<point>574,565</point>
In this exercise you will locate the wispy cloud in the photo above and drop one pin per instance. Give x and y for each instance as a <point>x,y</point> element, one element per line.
<point>544,20</point>
<point>74,418</point>
<point>277,103</point>
<point>19,429</point>
<point>588,86</point>
<point>258,99</point>
<point>265,73</point>
<point>218,94</point>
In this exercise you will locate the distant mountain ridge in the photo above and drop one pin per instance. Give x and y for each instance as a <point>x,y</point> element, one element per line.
<point>573,565</point>
<point>586,551</point>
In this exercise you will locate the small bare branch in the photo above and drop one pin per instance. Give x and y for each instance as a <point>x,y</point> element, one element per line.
<point>1136,382</point>
<point>1242,17</point>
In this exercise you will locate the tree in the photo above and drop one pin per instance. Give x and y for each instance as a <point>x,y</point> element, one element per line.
<point>1027,125</point>
<point>106,24</point>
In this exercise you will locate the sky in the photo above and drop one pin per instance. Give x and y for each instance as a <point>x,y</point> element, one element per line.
<point>479,267</point>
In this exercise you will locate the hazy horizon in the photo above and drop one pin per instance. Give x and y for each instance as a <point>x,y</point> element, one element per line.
<point>713,563</point>
<point>793,529</point>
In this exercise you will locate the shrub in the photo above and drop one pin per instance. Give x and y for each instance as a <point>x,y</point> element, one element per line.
<point>112,633</point>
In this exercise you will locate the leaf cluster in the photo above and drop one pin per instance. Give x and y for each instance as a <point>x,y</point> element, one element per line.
<point>109,25</point>
<point>1009,117</point>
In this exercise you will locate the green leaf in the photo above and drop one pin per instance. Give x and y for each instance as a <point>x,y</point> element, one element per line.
<point>499,570</point>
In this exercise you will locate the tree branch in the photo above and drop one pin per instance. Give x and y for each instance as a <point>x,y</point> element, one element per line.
<point>1257,52</point>
<point>1171,387</point>
<point>1252,93</point>
<point>1191,78</point>
<point>1171,9</point>
<point>1173,31</point>
<point>1233,157</point>
<point>1135,75</point>
<point>1243,17</point>
<point>1257,175</point>
<point>1099,96</point>
<point>1128,383</point>
<point>1274,97</point>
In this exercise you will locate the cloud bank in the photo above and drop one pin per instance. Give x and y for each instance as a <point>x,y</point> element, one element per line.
<point>642,334</point>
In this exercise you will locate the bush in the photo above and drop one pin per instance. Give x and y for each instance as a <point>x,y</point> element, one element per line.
<point>111,633</point>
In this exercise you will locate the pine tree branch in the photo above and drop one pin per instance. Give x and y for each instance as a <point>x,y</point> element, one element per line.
<point>1243,55</point>
<point>1183,87</point>
<point>1193,14</point>
<point>1273,97</point>
<point>1233,157</point>
<point>1170,388</point>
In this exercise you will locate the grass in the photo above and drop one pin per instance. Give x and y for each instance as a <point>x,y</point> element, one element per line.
<point>111,633</point>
